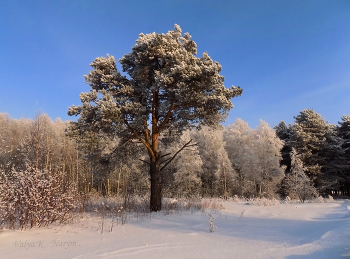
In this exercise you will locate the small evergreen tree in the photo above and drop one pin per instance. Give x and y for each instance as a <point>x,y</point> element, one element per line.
<point>296,183</point>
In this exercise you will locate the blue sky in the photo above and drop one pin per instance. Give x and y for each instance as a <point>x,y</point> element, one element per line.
<point>286,55</point>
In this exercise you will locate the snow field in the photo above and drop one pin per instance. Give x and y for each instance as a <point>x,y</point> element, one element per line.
<point>310,230</point>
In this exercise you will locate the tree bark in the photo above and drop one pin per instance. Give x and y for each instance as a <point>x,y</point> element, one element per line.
<point>156,187</point>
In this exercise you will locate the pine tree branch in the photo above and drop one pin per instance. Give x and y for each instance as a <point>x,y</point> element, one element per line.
<point>147,145</point>
<point>165,160</point>
<point>146,131</point>
<point>144,161</point>
<point>161,126</point>
<point>172,158</point>
<point>165,155</point>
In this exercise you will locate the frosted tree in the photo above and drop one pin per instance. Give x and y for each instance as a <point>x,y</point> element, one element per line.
<point>40,143</point>
<point>30,142</point>
<point>268,148</point>
<point>343,131</point>
<point>35,198</point>
<point>284,133</point>
<point>188,169</point>
<point>5,138</point>
<point>309,131</point>
<point>256,155</point>
<point>334,162</point>
<point>239,146</point>
<point>313,141</point>
<point>218,174</point>
<point>297,185</point>
<point>167,89</point>
<point>115,168</point>
<point>15,139</point>
<point>225,174</point>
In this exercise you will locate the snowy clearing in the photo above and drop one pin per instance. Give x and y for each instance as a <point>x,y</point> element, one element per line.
<point>315,230</point>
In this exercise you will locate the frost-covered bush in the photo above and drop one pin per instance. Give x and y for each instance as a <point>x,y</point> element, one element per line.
<point>256,201</point>
<point>264,202</point>
<point>318,199</point>
<point>111,206</point>
<point>287,200</point>
<point>35,198</point>
<point>211,221</point>
<point>330,198</point>
<point>192,204</point>
<point>321,199</point>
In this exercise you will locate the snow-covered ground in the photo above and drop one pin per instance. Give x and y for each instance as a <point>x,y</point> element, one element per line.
<point>316,230</point>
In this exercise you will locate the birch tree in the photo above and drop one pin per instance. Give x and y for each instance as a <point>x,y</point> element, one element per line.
<point>240,149</point>
<point>268,148</point>
<point>188,170</point>
<point>218,175</point>
<point>256,156</point>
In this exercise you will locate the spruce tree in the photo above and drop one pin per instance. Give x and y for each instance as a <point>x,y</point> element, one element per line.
<point>343,131</point>
<point>284,133</point>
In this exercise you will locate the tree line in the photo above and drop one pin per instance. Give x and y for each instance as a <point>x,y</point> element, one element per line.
<point>301,160</point>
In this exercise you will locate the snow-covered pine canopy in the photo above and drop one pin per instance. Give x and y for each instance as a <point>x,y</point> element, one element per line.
<point>167,86</point>
<point>167,89</point>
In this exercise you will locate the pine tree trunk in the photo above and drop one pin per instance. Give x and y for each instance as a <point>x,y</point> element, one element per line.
<point>156,189</point>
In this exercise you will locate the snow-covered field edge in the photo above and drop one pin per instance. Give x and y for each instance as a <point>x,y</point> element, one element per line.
<point>235,230</point>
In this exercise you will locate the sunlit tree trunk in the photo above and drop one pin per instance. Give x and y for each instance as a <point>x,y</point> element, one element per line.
<point>156,187</point>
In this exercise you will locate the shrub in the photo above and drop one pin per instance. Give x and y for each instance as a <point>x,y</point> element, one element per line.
<point>35,198</point>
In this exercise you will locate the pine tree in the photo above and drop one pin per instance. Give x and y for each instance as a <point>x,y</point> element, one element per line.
<point>343,131</point>
<point>334,162</point>
<point>168,89</point>
<point>319,148</point>
<point>309,134</point>
<point>284,133</point>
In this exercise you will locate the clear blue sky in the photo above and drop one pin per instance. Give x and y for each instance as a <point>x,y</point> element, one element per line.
<point>286,55</point>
